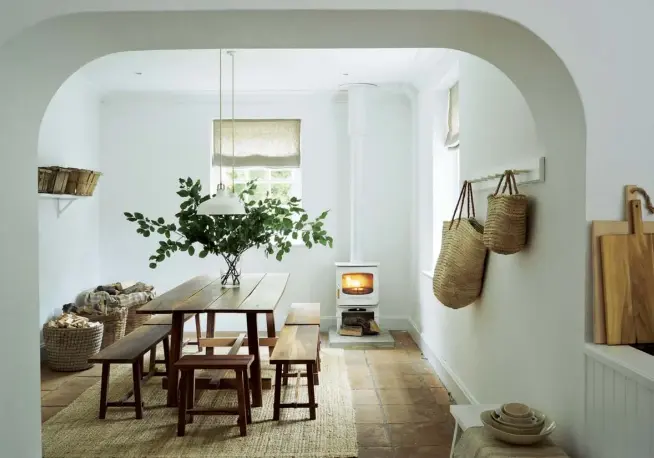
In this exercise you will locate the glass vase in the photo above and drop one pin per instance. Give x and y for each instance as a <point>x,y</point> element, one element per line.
<point>230,271</point>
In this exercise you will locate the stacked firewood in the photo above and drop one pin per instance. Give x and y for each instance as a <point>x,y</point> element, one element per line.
<point>71,320</point>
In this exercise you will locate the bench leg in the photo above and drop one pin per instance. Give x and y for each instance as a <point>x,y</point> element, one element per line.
<point>190,393</point>
<point>136,376</point>
<point>181,413</point>
<point>153,361</point>
<point>312,393</point>
<point>242,409</point>
<point>278,391</point>
<point>285,371</point>
<point>211,327</point>
<point>248,402</point>
<point>104,387</point>
<point>318,355</point>
<point>198,330</point>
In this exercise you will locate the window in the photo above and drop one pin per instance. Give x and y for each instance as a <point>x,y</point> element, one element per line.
<point>282,183</point>
<point>452,138</point>
<point>267,150</point>
<point>446,179</point>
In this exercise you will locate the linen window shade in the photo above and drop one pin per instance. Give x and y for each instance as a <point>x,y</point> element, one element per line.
<point>452,139</point>
<point>258,143</point>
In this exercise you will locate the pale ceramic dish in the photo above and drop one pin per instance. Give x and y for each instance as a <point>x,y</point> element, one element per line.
<point>518,430</point>
<point>516,439</point>
<point>516,410</point>
<point>535,419</point>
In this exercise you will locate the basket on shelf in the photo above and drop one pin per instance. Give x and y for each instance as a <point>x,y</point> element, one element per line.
<point>114,324</point>
<point>135,320</point>
<point>44,178</point>
<point>73,179</point>
<point>69,349</point>
<point>87,181</point>
<point>53,180</point>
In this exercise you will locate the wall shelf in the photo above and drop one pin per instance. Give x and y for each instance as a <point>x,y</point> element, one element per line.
<point>526,171</point>
<point>63,200</point>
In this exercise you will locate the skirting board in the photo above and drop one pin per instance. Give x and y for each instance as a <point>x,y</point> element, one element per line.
<point>451,381</point>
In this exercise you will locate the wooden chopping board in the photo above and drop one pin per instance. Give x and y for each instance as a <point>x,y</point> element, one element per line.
<point>628,278</point>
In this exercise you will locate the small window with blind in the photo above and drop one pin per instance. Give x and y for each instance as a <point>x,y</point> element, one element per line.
<point>266,150</point>
<point>452,138</point>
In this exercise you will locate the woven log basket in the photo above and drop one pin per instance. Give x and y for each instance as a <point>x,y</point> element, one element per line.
<point>69,349</point>
<point>114,325</point>
<point>135,320</point>
<point>505,231</point>
<point>459,271</point>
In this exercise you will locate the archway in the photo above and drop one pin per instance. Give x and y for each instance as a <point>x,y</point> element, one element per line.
<point>36,63</point>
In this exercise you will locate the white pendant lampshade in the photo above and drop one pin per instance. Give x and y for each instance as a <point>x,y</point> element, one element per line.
<point>225,202</point>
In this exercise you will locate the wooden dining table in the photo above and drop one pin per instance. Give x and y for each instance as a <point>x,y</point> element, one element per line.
<point>257,294</point>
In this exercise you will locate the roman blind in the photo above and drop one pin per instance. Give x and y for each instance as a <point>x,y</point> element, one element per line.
<point>452,138</point>
<point>258,142</point>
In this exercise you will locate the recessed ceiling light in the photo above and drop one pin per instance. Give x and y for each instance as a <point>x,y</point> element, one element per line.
<point>346,74</point>
<point>138,73</point>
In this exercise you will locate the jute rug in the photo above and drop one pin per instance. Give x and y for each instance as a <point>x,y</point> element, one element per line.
<point>76,432</point>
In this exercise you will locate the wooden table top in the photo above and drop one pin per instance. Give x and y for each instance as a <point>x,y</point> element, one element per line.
<point>258,293</point>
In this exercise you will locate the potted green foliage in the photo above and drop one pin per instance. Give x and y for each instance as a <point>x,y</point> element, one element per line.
<point>268,223</point>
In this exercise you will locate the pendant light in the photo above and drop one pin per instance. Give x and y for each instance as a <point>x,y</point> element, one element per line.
<point>225,202</point>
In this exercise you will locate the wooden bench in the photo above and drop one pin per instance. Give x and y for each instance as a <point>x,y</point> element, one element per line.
<point>130,350</point>
<point>190,363</point>
<point>303,314</point>
<point>296,345</point>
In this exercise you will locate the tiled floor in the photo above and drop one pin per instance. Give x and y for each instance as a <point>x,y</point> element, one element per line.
<point>401,406</point>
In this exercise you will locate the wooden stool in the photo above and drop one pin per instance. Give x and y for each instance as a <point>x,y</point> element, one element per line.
<point>187,366</point>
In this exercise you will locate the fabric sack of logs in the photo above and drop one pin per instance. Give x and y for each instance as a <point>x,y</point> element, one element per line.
<point>70,340</point>
<point>505,231</point>
<point>63,180</point>
<point>459,271</point>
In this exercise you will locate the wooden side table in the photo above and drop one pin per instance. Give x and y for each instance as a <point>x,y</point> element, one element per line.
<point>467,416</point>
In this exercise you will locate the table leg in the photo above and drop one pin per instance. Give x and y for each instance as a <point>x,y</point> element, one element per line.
<point>454,438</point>
<point>270,324</point>
<point>211,327</point>
<point>255,369</point>
<point>176,335</point>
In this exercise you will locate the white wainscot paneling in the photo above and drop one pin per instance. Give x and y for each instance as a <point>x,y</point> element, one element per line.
<point>619,409</point>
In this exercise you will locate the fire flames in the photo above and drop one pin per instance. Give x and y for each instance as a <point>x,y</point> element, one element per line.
<point>357,283</point>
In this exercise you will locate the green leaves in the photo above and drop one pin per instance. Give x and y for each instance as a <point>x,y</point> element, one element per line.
<point>268,223</point>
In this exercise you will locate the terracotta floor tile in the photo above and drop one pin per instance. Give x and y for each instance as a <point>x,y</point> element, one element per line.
<point>369,435</point>
<point>420,434</point>
<point>67,392</point>
<point>49,412</point>
<point>406,396</point>
<point>428,451</point>
<point>360,378</point>
<point>376,452</point>
<point>441,396</point>
<point>51,380</point>
<point>393,380</point>
<point>414,413</point>
<point>369,414</point>
<point>388,356</point>
<point>408,367</point>
<point>365,397</point>
<point>355,357</point>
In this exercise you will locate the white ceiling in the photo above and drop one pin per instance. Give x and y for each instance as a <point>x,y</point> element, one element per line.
<point>256,69</point>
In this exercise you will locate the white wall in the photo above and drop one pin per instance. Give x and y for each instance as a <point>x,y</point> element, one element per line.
<point>68,242</point>
<point>514,343</point>
<point>150,140</point>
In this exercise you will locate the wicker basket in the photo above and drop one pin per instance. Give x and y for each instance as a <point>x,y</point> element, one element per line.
<point>94,182</point>
<point>506,223</point>
<point>135,320</point>
<point>69,349</point>
<point>114,325</point>
<point>56,181</point>
<point>459,271</point>
<point>87,180</point>
<point>44,178</point>
<point>73,179</point>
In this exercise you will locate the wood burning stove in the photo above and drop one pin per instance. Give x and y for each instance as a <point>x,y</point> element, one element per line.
<point>357,291</point>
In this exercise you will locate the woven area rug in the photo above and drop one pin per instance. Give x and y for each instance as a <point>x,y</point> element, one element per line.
<point>77,432</point>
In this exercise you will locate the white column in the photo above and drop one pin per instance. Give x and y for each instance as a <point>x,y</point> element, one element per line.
<point>359,103</point>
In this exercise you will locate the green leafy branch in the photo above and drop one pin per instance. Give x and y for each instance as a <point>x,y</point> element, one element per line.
<point>268,223</point>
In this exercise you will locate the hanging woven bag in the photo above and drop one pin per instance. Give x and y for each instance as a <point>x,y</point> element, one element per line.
<point>459,271</point>
<point>505,231</point>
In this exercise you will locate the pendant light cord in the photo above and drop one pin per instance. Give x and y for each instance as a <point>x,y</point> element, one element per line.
<point>233,129</point>
<point>220,122</point>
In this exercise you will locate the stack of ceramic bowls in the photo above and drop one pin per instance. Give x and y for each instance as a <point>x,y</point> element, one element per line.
<point>517,423</point>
